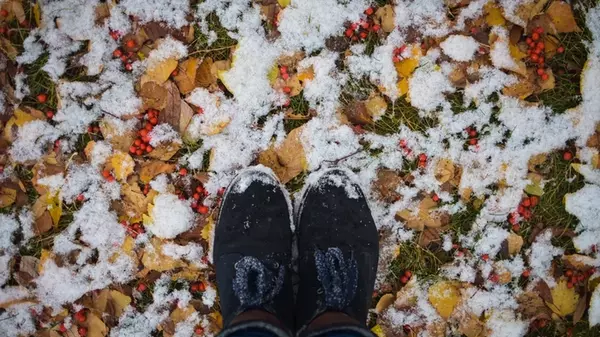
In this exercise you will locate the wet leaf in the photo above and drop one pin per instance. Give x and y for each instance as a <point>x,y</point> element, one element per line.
<point>135,203</point>
<point>578,262</point>
<point>580,309</point>
<point>534,189</point>
<point>444,296</point>
<point>120,301</point>
<point>376,106</point>
<point>160,72</point>
<point>165,151</point>
<point>515,243</point>
<point>357,113</point>
<point>387,184</point>
<point>28,270</point>
<point>561,14</point>
<point>95,326</point>
<point>8,49</point>
<point>493,15</point>
<point>54,207</point>
<point>531,306</point>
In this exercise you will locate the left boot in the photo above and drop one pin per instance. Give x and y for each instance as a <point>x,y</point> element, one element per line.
<point>253,251</point>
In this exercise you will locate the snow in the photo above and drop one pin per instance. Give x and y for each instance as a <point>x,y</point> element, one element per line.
<point>172,12</point>
<point>427,87</point>
<point>162,134</point>
<point>541,254</point>
<point>31,141</point>
<point>170,216</point>
<point>53,182</point>
<point>584,205</point>
<point>459,47</point>
<point>594,311</point>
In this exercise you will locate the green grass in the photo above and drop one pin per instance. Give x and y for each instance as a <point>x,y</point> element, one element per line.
<point>299,106</point>
<point>219,49</point>
<point>400,113</point>
<point>422,262</point>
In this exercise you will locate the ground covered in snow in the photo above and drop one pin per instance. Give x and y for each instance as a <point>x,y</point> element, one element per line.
<point>473,126</point>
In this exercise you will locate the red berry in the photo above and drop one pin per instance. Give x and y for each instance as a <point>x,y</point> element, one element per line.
<point>535,36</point>
<point>82,331</point>
<point>369,11</point>
<point>142,147</point>
<point>526,202</point>
<point>473,141</point>
<point>2,30</point>
<point>128,67</point>
<point>494,278</point>
<point>363,35</point>
<point>472,133</point>
<point>132,149</point>
<point>285,76</point>
<point>528,40</point>
<point>42,98</point>
<point>283,69</point>
<point>149,126</point>
<point>541,71</point>
<point>349,32</point>
<point>221,191</point>
<point>62,327</point>
<point>569,285</point>
<point>200,111</point>
<point>142,287</point>
<point>124,58</point>
<point>535,57</point>
<point>540,45</point>
<point>80,198</point>
<point>534,200</point>
<point>516,227</point>
<point>569,273</point>
<point>106,173</point>
<point>435,198</point>
<point>404,279</point>
<point>80,316</point>
<point>560,50</point>
<point>376,28</point>
<point>114,35</point>
<point>287,90</point>
<point>3,12</point>
<point>422,157</point>
<point>153,120</point>
<point>196,196</point>
<point>139,152</point>
<point>485,257</point>
<point>526,273</point>
<point>183,171</point>
<point>130,43</point>
<point>175,72</point>
<point>202,209</point>
<point>117,53</point>
<point>199,189</point>
<point>199,331</point>
<point>49,114</point>
<point>541,61</point>
<point>545,77</point>
<point>567,155</point>
<point>539,30</point>
<point>408,273</point>
<point>149,149</point>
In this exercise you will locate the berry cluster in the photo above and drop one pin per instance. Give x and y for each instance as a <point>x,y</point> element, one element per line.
<point>404,146</point>
<point>422,160</point>
<point>406,277</point>
<point>133,229</point>
<point>578,277</point>
<point>42,99</point>
<point>108,176</point>
<point>472,134</point>
<point>360,30</point>
<point>126,56</point>
<point>197,287</point>
<point>524,210</point>
<point>536,51</point>
<point>78,317</point>
<point>199,197</point>
<point>397,56</point>
<point>142,144</point>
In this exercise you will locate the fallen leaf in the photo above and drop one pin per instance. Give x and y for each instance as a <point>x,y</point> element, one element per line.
<point>54,207</point>
<point>387,184</point>
<point>378,331</point>
<point>18,11</point>
<point>287,160</point>
<point>284,3</point>
<point>7,196</point>
<point>376,106</point>
<point>407,66</point>
<point>580,309</point>
<point>444,296</point>
<point>8,49</point>
<point>134,202</point>
<point>165,151</point>
<point>548,84</point>
<point>531,306</point>
<point>561,14</point>
<point>384,16</point>
<point>444,170</point>
<point>186,76</point>
<point>204,74</point>
<point>515,243</point>
<point>118,138</point>
<point>357,113</point>
<point>151,169</point>
<point>470,326</point>
<point>120,302</point>
<point>534,189</point>
<point>28,270</point>
<point>154,259</point>
<point>578,262</point>
<point>122,165</point>
<point>95,326</point>
<point>43,220</point>
<point>493,15</point>
<point>384,302</point>
<point>100,300</point>
<point>171,113</point>
<point>159,72</point>
<point>564,299</point>
<point>153,95</point>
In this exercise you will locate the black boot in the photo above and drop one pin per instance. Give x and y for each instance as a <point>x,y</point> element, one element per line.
<point>252,251</point>
<point>337,252</point>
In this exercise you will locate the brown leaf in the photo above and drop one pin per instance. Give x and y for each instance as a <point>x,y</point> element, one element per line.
<point>118,139</point>
<point>7,196</point>
<point>531,306</point>
<point>102,11</point>
<point>386,185</point>
<point>561,14</point>
<point>8,49</point>
<point>431,237</point>
<point>578,262</point>
<point>17,9</point>
<point>172,110</point>
<point>154,96</point>
<point>544,291</point>
<point>357,113</point>
<point>385,17</point>
<point>204,75</point>
<point>288,160</point>
<point>515,243</point>
<point>95,326</point>
<point>134,202</point>
<point>28,270</point>
<point>165,151</point>
<point>151,169</point>
<point>186,76</point>
<point>384,302</point>
<point>580,309</point>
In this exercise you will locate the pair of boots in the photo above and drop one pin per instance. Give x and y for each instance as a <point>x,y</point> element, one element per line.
<point>338,252</point>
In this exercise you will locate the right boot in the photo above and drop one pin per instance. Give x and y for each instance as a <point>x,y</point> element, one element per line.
<point>338,252</point>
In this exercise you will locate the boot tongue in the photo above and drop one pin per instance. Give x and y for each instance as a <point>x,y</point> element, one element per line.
<point>257,283</point>
<point>338,276</point>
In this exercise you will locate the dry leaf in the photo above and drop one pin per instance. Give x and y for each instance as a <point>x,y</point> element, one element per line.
<point>564,299</point>
<point>515,243</point>
<point>384,302</point>
<point>54,207</point>
<point>153,259</point>
<point>151,169</point>
<point>95,326</point>
<point>7,196</point>
<point>531,306</point>
<point>444,170</point>
<point>120,302</point>
<point>174,105</point>
<point>159,72</point>
<point>493,15</point>
<point>122,165</point>
<point>407,66</point>
<point>386,185</point>
<point>385,17</point>
<point>444,296</point>
<point>8,49</point>
<point>431,236</point>
<point>186,77</point>
<point>580,309</point>
<point>470,326</point>
<point>376,106</point>
<point>135,203</point>
<point>561,14</point>
<point>165,151</point>
<point>154,96</point>
<point>119,139</point>
<point>357,113</point>
<point>578,262</point>
<point>548,84</point>
<point>28,270</point>
<point>288,160</point>
<point>204,74</point>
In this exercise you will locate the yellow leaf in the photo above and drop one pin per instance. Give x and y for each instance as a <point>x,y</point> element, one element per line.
<point>407,66</point>
<point>21,118</point>
<point>378,331</point>
<point>120,301</point>
<point>161,71</point>
<point>273,74</point>
<point>515,243</point>
<point>165,151</point>
<point>534,189</point>
<point>54,207</point>
<point>493,15</point>
<point>37,14</point>
<point>217,319</point>
<point>154,259</point>
<point>284,3</point>
<point>561,14</point>
<point>180,315</point>
<point>516,53</point>
<point>444,170</point>
<point>208,230</point>
<point>444,296</point>
<point>306,75</point>
<point>96,327</point>
<point>376,106</point>
<point>564,299</point>
<point>287,160</point>
<point>45,255</point>
<point>186,77</point>
<point>384,302</point>
<point>122,164</point>
<point>7,196</point>
<point>403,86</point>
